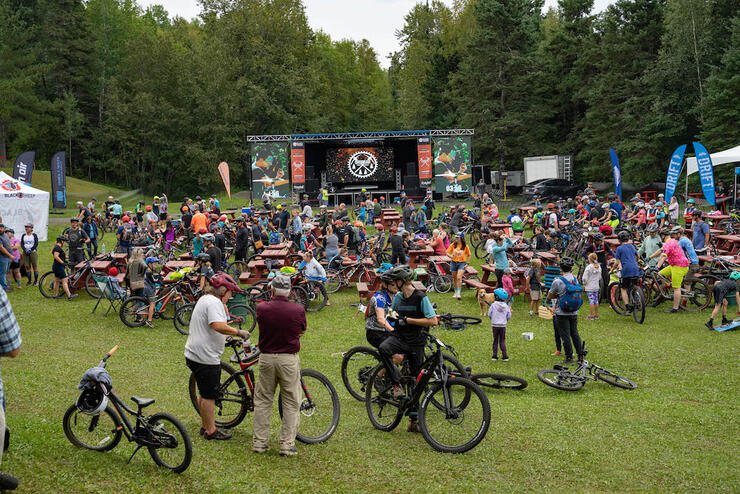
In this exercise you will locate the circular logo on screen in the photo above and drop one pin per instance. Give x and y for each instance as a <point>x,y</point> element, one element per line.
<point>362,164</point>
<point>10,186</point>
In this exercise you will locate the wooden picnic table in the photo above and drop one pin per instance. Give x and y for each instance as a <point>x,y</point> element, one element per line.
<point>715,217</point>
<point>525,209</point>
<point>180,264</point>
<point>442,259</point>
<point>488,270</point>
<point>274,253</point>
<point>729,243</point>
<point>417,256</point>
<point>120,258</point>
<point>257,271</point>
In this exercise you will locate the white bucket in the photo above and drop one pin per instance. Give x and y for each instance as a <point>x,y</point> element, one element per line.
<point>528,336</point>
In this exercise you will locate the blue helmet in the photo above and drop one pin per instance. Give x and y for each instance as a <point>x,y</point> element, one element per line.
<point>501,294</point>
<point>150,260</point>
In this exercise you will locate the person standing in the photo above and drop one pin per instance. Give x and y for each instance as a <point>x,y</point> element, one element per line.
<point>429,204</point>
<point>591,282</point>
<point>59,268</point>
<point>30,257</point>
<point>91,229</point>
<point>10,346</point>
<point>701,234</point>
<point>77,240</point>
<point>499,312</point>
<point>678,266</point>
<point>281,325</point>
<point>14,268</point>
<point>205,346</point>
<point>460,254</point>
<point>498,251</point>
<point>481,187</point>
<point>567,292</point>
<point>213,251</point>
<point>673,210</point>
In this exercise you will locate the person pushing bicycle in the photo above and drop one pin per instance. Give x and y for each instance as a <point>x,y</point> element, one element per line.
<point>412,314</point>
<point>626,257</point>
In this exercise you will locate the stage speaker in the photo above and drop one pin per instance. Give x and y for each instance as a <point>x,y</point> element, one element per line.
<point>398,179</point>
<point>412,168</point>
<point>411,185</point>
<point>323,179</point>
<point>309,172</point>
<point>312,186</point>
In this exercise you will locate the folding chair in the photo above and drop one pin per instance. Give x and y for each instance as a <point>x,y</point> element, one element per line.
<point>107,293</point>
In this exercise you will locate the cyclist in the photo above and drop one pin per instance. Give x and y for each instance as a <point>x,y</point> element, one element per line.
<point>59,268</point>
<point>677,233</point>
<point>721,290</point>
<point>213,251</point>
<point>517,224</point>
<point>77,240</point>
<point>626,257</point>
<point>116,211</point>
<point>107,207</point>
<point>29,257</point>
<point>678,266</point>
<point>204,269</point>
<point>377,327</point>
<point>651,244</point>
<point>413,312</point>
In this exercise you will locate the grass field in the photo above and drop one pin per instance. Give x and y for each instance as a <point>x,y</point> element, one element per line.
<point>678,432</point>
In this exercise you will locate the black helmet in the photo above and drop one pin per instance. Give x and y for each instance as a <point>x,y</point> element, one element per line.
<point>512,210</point>
<point>62,238</point>
<point>598,236</point>
<point>623,236</point>
<point>203,257</point>
<point>566,264</point>
<point>652,228</point>
<point>402,273</point>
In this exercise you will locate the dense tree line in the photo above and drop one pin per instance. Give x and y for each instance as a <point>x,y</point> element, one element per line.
<point>145,101</point>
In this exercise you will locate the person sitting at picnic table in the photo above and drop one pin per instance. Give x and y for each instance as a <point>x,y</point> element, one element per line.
<point>117,291</point>
<point>437,243</point>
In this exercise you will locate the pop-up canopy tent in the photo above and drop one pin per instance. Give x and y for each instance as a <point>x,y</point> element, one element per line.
<point>21,204</point>
<point>727,156</point>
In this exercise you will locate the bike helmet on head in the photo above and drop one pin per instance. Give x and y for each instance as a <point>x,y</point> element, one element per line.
<point>572,211</point>
<point>691,201</point>
<point>566,264</point>
<point>208,237</point>
<point>512,210</point>
<point>402,273</point>
<point>62,238</point>
<point>676,229</point>
<point>223,279</point>
<point>735,275</point>
<point>652,228</point>
<point>92,401</point>
<point>203,257</point>
<point>598,236</point>
<point>696,213</point>
<point>623,236</point>
<point>501,294</point>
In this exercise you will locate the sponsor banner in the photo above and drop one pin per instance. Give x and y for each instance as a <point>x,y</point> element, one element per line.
<point>424,153</point>
<point>616,172</point>
<point>452,160</point>
<point>298,166</point>
<point>223,169</point>
<point>674,171</point>
<point>24,167</point>
<point>706,173</point>
<point>270,169</point>
<point>59,180</point>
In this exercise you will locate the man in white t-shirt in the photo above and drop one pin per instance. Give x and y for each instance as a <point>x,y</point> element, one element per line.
<point>205,345</point>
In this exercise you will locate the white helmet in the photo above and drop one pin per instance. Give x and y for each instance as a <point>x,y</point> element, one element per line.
<point>92,401</point>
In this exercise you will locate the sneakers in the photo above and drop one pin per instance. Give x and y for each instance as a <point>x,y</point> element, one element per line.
<point>505,359</point>
<point>149,323</point>
<point>556,353</point>
<point>288,452</point>
<point>709,325</point>
<point>219,435</point>
<point>72,296</point>
<point>8,482</point>
<point>670,311</point>
<point>262,449</point>
<point>494,358</point>
<point>413,427</point>
<point>568,360</point>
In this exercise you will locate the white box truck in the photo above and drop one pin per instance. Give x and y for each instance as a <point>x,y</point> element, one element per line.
<point>541,167</point>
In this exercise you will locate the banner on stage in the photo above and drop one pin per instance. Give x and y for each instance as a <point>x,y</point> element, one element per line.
<point>424,153</point>
<point>298,166</point>
<point>59,180</point>
<point>270,172</point>
<point>674,171</point>
<point>706,173</point>
<point>452,164</point>
<point>617,173</point>
<point>223,169</point>
<point>24,167</point>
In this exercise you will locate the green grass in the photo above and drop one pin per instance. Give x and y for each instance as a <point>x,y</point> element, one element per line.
<point>677,432</point>
<point>77,189</point>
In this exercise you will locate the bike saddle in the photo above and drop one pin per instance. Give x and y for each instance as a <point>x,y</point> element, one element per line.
<point>142,402</point>
<point>559,367</point>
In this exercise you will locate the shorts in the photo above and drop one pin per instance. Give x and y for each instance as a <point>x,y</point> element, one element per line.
<point>14,265</point>
<point>535,294</point>
<point>117,216</point>
<point>457,266</point>
<point>593,298</point>
<point>628,282</point>
<point>720,295</point>
<point>676,274</point>
<point>59,271</point>
<point>375,338</point>
<point>30,260</point>
<point>207,377</point>
<point>162,216</point>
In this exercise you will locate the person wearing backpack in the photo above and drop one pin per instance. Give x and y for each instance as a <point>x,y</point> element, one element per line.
<point>125,235</point>
<point>568,294</point>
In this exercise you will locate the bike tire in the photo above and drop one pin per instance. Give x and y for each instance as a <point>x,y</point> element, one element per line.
<point>560,379</point>
<point>231,390</point>
<point>458,322</point>
<point>653,296</point>
<point>242,316</point>
<point>334,282</point>
<point>498,381</point>
<point>442,283</point>
<point>480,251</point>
<point>299,295</point>
<point>182,318</point>
<point>46,285</point>
<point>615,299</point>
<point>615,380</point>
<point>165,434</point>
<point>90,423</point>
<point>377,398</point>
<point>431,419</point>
<point>313,385</point>
<point>129,311</point>
<point>638,304</point>
<point>355,377</point>
<point>702,297</point>
<point>91,287</point>
<point>317,296</point>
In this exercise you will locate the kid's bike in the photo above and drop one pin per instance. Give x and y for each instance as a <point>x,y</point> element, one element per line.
<point>561,378</point>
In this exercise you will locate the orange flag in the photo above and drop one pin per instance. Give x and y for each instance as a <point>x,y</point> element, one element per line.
<point>223,169</point>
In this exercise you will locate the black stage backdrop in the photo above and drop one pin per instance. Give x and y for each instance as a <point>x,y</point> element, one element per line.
<point>359,165</point>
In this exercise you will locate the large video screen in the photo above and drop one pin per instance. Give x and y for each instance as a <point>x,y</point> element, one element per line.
<point>358,165</point>
<point>452,164</point>
<point>270,162</point>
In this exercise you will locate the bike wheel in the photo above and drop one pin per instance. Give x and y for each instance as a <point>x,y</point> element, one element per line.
<point>171,446</point>
<point>357,365</point>
<point>134,311</point>
<point>242,316</point>
<point>383,410</point>
<point>653,295</point>
<point>182,318</point>
<point>638,304</point>
<point>442,283</point>
<point>238,267</point>
<point>457,322</point>
<point>461,423</point>
<point>91,287</point>
<point>99,432</point>
<point>46,285</point>
<point>560,379</point>
<point>480,251</point>
<point>701,296</point>
<point>168,311</point>
<point>615,380</point>
<point>498,381</point>
<point>317,296</point>
<point>233,400</point>
<point>318,408</point>
<point>299,295</point>
<point>334,282</point>
<point>615,299</point>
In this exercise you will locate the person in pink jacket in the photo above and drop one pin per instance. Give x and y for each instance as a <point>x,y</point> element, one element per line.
<point>508,285</point>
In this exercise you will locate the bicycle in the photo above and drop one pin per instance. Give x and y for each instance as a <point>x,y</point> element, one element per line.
<point>240,315</point>
<point>455,401</point>
<point>457,322</point>
<point>498,381</point>
<point>658,288</point>
<point>161,433</point>
<point>336,280</point>
<point>135,310</point>
<point>636,297</point>
<point>561,378</point>
<point>236,397</point>
<point>75,280</point>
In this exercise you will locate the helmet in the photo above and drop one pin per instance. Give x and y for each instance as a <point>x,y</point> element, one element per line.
<point>572,211</point>
<point>539,208</point>
<point>676,229</point>
<point>203,257</point>
<point>402,273</point>
<point>549,206</point>
<point>94,199</point>
<point>209,237</point>
<point>110,198</point>
<point>640,205</point>
<point>223,279</point>
<point>150,260</point>
<point>223,217</point>
<point>74,219</point>
<point>652,202</point>
<point>214,216</point>
<point>652,228</point>
<point>623,236</point>
<point>156,198</point>
<point>658,204</point>
<point>79,203</point>
<point>735,275</point>
<point>92,401</point>
<point>691,201</point>
<point>696,213</point>
<point>358,223</point>
<point>28,225</point>
<point>512,210</point>
<point>148,208</point>
<point>175,222</point>
<point>501,294</point>
<point>113,271</point>
<point>566,264</point>
<point>62,238</point>
<point>598,236</point>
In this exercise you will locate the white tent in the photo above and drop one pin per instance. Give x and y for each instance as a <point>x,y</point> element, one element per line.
<point>720,158</point>
<point>21,204</point>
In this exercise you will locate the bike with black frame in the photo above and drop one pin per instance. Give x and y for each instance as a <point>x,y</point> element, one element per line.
<point>93,424</point>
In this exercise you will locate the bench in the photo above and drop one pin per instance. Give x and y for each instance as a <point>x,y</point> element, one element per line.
<point>479,285</point>
<point>363,290</point>
<point>470,270</point>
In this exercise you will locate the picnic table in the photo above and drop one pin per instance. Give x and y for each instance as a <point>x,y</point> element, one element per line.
<point>278,254</point>
<point>417,256</point>
<point>257,271</point>
<point>175,265</point>
<point>504,228</point>
<point>728,243</point>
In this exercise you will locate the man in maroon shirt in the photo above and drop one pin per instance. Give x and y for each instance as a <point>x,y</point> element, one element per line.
<point>281,324</point>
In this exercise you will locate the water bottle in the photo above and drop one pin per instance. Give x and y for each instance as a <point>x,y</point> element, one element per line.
<point>157,307</point>
<point>103,249</point>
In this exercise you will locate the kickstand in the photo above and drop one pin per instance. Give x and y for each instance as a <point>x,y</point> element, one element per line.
<point>135,451</point>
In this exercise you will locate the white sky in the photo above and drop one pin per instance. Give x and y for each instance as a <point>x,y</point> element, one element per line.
<point>374,20</point>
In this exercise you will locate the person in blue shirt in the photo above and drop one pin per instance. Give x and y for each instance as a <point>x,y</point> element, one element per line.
<point>616,205</point>
<point>498,251</point>
<point>688,248</point>
<point>626,257</point>
<point>701,231</point>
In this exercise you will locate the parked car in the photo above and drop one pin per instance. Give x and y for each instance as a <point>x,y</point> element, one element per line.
<point>550,187</point>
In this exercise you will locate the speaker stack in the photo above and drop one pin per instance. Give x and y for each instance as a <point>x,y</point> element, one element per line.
<point>411,168</point>
<point>312,186</point>
<point>412,185</point>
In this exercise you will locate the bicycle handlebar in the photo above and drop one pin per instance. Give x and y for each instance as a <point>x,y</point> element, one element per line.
<point>112,351</point>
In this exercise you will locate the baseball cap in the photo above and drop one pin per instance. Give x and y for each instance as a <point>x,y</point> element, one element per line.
<point>280,282</point>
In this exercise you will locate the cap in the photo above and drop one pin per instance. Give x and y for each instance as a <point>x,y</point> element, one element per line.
<point>113,271</point>
<point>280,282</point>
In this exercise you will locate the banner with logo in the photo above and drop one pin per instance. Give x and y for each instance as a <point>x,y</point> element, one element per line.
<point>270,169</point>
<point>298,166</point>
<point>617,173</point>
<point>674,171</point>
<point>424,153</point>
<point>452,161</point>
<point>59,180</point>
<point>706,173</point>
<point>24,167</point>
<point>223,169</point>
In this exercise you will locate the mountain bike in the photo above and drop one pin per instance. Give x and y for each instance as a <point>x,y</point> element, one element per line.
<point>636,297</point>
<point>561,378</point>
<point>457,322</point>
<point>696,293</point>
<point>493,380</point>
<point>241,316</point>
<point>454,413</point>
<point>163,435</point>
<point>75,280</point>
<point>134,310</point>
<point>337,279</point>
<point>319,407</point>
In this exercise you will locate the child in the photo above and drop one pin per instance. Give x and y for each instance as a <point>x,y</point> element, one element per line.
<point>721,290</point>
<point>14,269</point>
<point>204,269</point>
<point>198,243</point>
<point>508,285</point>
<point>117,291</point>
<point>591,279</point>
<point>535,285</point>
<point>500,313</point>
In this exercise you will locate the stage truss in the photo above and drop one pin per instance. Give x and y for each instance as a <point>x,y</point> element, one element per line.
<point>362,135</point>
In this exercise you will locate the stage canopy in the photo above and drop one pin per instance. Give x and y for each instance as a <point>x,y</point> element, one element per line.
<point>21,204</point>
<point>723,157</point>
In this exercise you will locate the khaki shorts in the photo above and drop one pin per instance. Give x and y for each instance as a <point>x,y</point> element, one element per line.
<point>30,260</point>
<point>535,294</point>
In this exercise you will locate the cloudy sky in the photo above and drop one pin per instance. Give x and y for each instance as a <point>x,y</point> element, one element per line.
<point>374,20</point>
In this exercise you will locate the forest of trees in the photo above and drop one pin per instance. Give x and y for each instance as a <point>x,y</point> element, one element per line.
<point>142,100</point>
